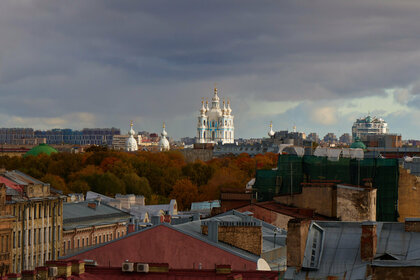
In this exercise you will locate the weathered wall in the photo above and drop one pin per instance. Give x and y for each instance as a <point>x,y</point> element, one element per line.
<point>296,241</point>
<point>349,204</point>
<point>356,205</point>
<point>406,273</point>
<point>322,199</point>
<point>266,215</point>
<point>408,195</point>
<point>248,238</point>
<point>191,155</point>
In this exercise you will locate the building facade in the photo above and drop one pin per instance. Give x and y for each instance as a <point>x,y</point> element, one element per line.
<point>369,126</point>
<point>37,227</point>
<point>88,223</point>
<point>215,124</point>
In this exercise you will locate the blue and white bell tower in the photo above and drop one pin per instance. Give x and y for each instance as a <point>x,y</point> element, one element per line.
<point>215,124</point>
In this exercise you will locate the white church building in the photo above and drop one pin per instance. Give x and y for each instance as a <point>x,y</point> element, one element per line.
<point>215,124</point>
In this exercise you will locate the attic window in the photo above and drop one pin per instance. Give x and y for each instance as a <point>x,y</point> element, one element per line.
<point>314,247</point>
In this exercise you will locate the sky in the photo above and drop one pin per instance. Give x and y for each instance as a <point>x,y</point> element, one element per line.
<point>318,65</point>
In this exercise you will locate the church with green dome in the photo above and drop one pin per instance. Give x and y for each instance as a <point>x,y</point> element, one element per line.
<point>41,149</point>
<point>358,144</point>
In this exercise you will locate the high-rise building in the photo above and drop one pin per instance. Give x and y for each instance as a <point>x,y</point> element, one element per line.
<point>369,126</point>
<point>215,124</point>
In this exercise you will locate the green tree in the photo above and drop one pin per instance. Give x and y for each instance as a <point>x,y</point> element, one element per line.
<point>137,185</point>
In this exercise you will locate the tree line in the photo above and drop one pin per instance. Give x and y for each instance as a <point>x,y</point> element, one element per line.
<point>158,176</point>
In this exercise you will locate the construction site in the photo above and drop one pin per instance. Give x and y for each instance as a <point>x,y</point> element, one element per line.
<point>293,172</point>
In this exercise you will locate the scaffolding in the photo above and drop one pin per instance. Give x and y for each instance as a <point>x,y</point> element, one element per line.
<point>293,170</point>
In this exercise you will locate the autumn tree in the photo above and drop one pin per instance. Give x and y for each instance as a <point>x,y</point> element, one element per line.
<point>56,182</point>
<point>185,192</point>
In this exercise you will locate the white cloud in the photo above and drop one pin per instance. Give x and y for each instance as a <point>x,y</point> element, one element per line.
<point>326,115</point>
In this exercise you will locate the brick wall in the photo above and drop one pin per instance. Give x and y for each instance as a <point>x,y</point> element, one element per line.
<point>296,241</point>
<point>406,273</point>
<point>248,238</point>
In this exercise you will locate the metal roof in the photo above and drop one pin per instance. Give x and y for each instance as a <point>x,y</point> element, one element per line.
<point>341,250</point>
<point>79,214</point>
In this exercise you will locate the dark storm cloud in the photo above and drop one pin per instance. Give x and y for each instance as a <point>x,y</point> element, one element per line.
<point>156,59</point>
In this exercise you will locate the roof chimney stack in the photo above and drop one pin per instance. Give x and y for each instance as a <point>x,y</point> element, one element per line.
<point>368,241</point>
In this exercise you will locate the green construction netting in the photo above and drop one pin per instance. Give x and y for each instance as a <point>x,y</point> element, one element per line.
<point>292,171</point>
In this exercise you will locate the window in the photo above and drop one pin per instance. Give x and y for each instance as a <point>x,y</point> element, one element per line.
<point>39,236</point>
<point>78,243</point>
<point>29,237</point>
<point>83,242</point>
<point>35,210</point>
<point>19,239</point>
<point>68,245</point>
<point>96,240</point>
<point>14,240</point>
<point>100,238</point>
<point>212,135</point>
<point>39,211</point>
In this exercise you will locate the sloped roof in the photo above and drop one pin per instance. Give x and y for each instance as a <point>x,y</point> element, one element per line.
<point>79,214</point>
<point>341,250</point>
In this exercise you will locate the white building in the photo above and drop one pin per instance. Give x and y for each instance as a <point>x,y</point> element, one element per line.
<point>369,126</point>
<point>163,143</point>
<point>215,124</point>
<point>131,144</point>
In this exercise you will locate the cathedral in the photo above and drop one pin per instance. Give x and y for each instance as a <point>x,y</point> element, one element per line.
<point>215,124</point>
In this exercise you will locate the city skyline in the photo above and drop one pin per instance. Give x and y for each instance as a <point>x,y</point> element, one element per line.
<point>102,64</point>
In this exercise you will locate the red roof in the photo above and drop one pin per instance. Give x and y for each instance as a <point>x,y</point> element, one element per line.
<point>11,184</point>
<point>99,273</point>
<point>301,213</point>
<point>164,244</point>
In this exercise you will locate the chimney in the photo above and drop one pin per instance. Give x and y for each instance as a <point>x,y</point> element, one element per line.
<point>297,233</point>
<point>412,224</point>
<point>368,241</point>
<point>213,231</point>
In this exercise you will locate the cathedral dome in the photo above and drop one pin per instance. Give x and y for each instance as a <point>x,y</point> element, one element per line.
<point>164,143</point>
<point>271,132</point>
<point>131,143</point>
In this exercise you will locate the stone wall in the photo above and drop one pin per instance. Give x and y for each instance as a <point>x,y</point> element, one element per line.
<point>248,238</point>
<point>354,204</point>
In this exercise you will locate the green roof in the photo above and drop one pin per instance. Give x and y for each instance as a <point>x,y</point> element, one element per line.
<point>358,144</point>
<point>41,148</point>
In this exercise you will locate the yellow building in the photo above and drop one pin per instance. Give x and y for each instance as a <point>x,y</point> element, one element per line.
<point>37,229</point>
